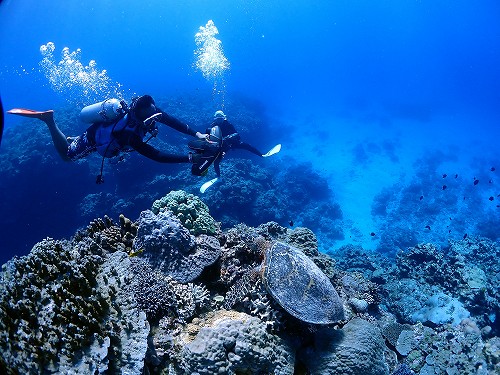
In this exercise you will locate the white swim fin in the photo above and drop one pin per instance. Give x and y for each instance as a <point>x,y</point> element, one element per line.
<point>273,151</point>
<point>207,184</point>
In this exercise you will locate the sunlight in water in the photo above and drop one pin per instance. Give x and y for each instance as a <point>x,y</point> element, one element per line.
<point>210,59</point>
<point>80,84</point>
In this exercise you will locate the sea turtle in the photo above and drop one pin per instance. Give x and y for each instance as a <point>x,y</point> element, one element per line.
<point>296,283</point>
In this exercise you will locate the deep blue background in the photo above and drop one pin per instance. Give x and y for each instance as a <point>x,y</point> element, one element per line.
<point>366,88</point>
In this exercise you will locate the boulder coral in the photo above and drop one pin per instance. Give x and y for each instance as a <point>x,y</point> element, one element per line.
<point>236,343</point>
<point>190,210</point>
<point>357,349</point>
<point>169,247</point>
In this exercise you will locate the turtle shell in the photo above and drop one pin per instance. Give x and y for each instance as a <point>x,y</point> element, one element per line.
<point>299,286</point>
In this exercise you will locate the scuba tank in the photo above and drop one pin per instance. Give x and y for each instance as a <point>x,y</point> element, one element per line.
<point>209,149</point>
<point>215,135</point>
<point>106,111</point>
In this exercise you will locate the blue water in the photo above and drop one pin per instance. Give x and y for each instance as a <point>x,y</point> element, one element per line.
<point>368,91</point>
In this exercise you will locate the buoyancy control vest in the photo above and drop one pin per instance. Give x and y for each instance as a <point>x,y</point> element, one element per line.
<point>106,140</point>
<point>106,143</point>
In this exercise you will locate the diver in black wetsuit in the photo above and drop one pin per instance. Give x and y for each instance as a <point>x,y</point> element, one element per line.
<point>222,137</point>
<point>128,132</point>
<point>230,139</point>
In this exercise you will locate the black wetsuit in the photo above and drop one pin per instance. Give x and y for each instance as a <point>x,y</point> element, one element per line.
<point>129,138</point>
<point>231,140</point>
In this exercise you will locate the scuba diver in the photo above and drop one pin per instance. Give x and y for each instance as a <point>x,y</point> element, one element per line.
<point>224,136</point>
<point>118,127</point>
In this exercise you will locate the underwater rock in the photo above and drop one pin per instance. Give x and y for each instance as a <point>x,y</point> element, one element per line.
<point>414,301</point>
<point>305,240</point>
<point>170,248</point>
<point>235,343</point>
<point>455,350</point>
<point>467,271</point>
<point>392,332</point>
<point>403,370</point>
<point>357,349</point>
<point>440,308</point>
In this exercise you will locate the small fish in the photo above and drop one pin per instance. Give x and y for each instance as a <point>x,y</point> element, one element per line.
<point>498,195</point>
<point>132,253</point>
<point>465,236</point>
<point>421,197</point>
<point>445,175</point>
<point>372,234</point>
<point>490,181</point>
<point>444,187</point>
<point>291,223</point>
<point>476,182</point>
<point>428,227</point>
<point>491,198</point>
<point>449,231</point>
<point>451,218</point>
<point>456,176</point>
<point>492,169</point>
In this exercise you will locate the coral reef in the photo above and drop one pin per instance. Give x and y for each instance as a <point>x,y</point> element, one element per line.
<point>169,247</point>
<point>64,309</point>
<point>118,298</point>
<point>457,350</point>
<point>189,209</point>
<point>421,211</point>
<point>465,277</point>
<point>234,343</point>
<point>356,349</point>
<point>159,295</point>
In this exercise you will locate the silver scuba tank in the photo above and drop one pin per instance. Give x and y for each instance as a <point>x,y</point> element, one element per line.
<point>105,111</point>
<point>215,135</point>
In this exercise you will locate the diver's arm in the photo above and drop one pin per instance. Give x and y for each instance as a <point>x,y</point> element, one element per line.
<point>179,125</point>
<point>154,154</point>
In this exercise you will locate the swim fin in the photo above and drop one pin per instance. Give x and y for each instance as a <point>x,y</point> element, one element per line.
<point>29,112</point>
<point>273,151</point>
<point>207,184</point>
<point>206,153</point>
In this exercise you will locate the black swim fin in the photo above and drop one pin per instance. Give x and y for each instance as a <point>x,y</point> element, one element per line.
<point>203,162</point>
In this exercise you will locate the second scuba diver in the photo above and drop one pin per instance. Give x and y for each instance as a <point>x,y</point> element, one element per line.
<point>224,137</point>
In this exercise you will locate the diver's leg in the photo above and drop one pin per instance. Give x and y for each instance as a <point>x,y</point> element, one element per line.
<point>246,146</point>
<point>217,166</point>
<point>58,138</point>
